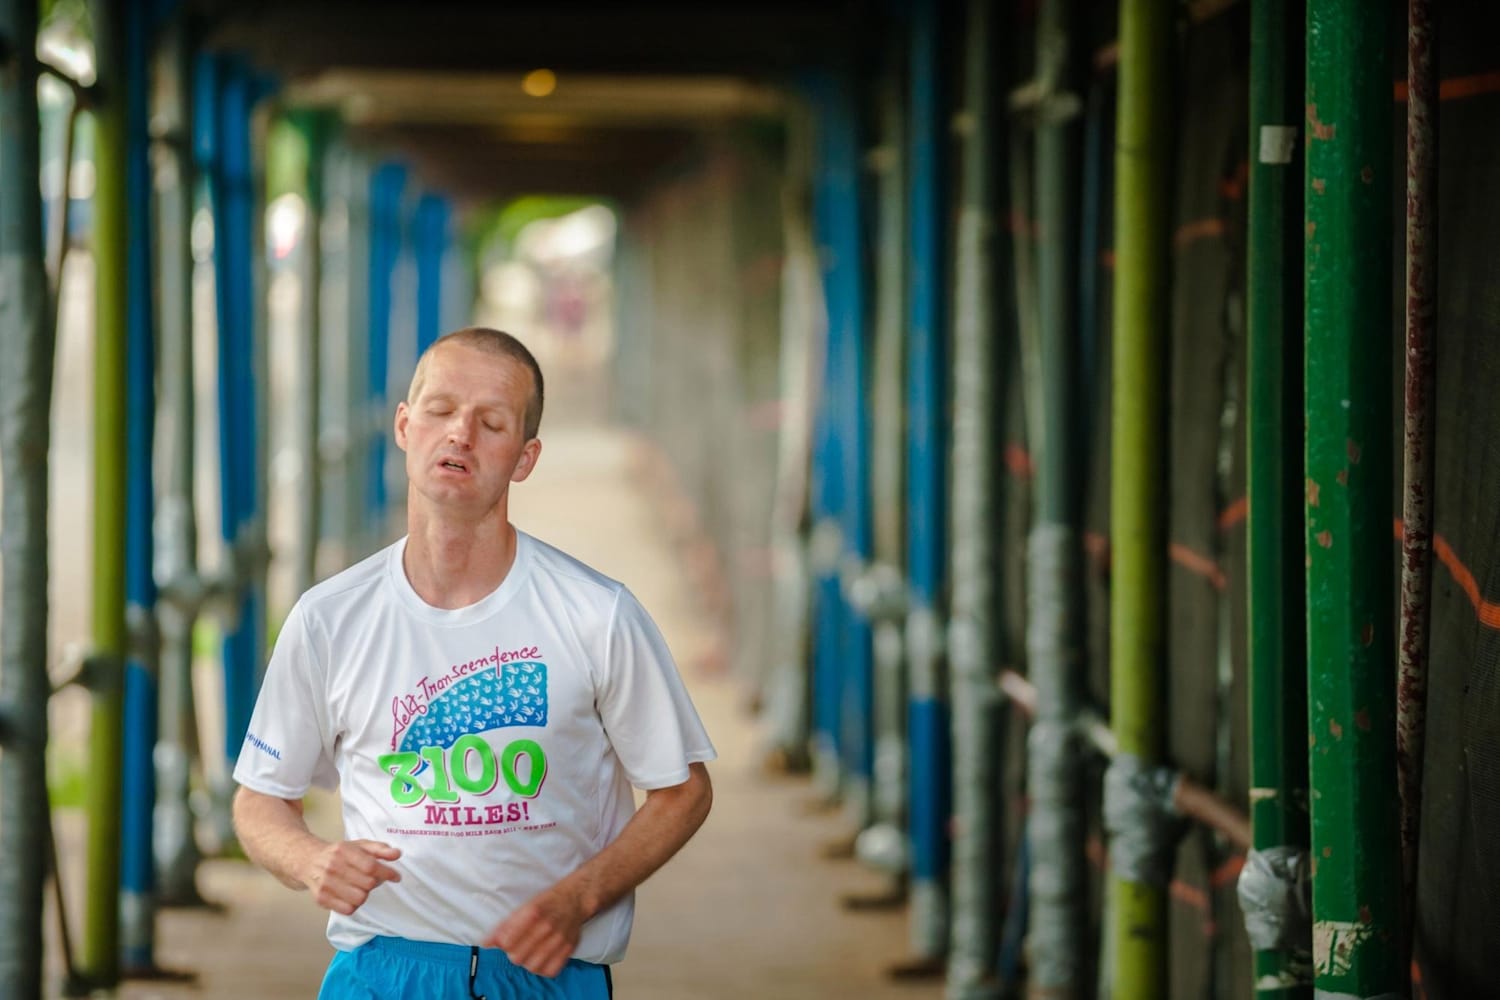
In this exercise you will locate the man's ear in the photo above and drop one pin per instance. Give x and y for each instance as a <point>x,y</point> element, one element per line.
<point>403,414</point>
<point>530,452</point>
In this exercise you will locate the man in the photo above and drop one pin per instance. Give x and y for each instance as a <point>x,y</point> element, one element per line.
<point>486,704</point>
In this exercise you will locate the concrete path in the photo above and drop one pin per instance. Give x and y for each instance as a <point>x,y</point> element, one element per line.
<point>749,910</point>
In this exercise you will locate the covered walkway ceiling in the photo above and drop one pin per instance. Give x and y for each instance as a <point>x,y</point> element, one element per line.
<point>442,83</point>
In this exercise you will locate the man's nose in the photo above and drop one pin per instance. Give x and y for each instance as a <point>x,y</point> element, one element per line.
<point>461,430</point>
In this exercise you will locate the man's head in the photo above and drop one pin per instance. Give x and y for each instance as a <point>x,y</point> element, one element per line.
<point>496,342</point>
<point>468,425</point>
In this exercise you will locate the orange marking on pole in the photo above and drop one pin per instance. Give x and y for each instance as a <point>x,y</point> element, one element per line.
<point>1458,87</point>
<point>1199,564</point>
<point>1233,186</point>
<point>1487,611</point>
<point>1189,894</point>
<point>1234,513</point>
<point>1181,891</point>
<point>1018,461</point>
<point>1228,872</point>
<point>1200,229</point>
<point>1097,548</point>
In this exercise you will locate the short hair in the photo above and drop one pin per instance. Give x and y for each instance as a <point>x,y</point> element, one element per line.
<point>490,341</point>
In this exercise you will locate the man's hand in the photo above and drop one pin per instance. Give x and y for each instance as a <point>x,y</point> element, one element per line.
<point>341,876</point>
<point>541,936</point>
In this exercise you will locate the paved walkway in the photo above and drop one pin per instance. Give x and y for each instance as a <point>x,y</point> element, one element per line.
<point>748,910</point>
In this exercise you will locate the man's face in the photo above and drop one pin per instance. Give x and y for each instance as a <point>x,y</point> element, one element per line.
<point>464,434</point>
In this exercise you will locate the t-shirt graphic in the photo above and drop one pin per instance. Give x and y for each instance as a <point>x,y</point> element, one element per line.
<point>513,695</point>
<point>443,761</point>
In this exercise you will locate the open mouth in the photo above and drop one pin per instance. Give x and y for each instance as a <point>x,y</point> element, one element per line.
<point>453,464</point>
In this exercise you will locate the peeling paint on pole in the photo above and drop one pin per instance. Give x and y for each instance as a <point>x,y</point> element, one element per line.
<point>1416,508</point>
<point>1348,378</point>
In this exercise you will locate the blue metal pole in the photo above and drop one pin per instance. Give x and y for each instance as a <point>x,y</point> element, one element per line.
<point>827,485</point>
<point>137,865</point>
<point>386,189</point>
<point>930,792</point>
<point>844,281</point>
<point>432,249</point>
<point>827,498</point>
<point>386,186</point>
<point>226,92</point>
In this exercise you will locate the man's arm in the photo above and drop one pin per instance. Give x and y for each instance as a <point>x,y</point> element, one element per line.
<point>341,875</point>
<point>542,935</point>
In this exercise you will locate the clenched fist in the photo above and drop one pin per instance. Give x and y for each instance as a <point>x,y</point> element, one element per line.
<point>342,875</point>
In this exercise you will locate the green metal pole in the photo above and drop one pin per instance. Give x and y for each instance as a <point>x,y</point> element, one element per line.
<point>1138,479</point>
<point>1350,588</point>
<point>99,962</point>
<point>26,365</point>
<point>1055,824</point>
<point>1278,652</point>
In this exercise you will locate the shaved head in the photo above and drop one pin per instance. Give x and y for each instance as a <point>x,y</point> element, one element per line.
<point>496,342</point>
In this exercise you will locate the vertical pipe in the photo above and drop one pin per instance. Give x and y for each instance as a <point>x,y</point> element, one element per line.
<point>100,959</point>
<point>1351,683</point>
<point>1055,823</point>
<point>354,179</point>
<point>929,785</point>
<point>26,368</point>
<point>1096,108</point>
<point>1420,435</point>
<point>228,101</point>
<point>176,849</point>
<point>431,246</point>
<point>789,705</point>
<point>888,801</point>
<point>848,331</point>
<point>824,548</point>
<point>313,127</point>
<point>386,186</point>
<point>1143,151</point>
<point>1277,653</point>
<point>254,532</point>
<point>828,459</point>
<point>971,956</point>
<point>137,863</point>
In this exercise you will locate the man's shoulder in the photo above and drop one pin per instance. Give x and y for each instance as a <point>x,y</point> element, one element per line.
<point>351,584</point>
<point>568,571</point>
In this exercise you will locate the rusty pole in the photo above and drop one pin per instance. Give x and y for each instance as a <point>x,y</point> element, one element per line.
<point>1416,506</point>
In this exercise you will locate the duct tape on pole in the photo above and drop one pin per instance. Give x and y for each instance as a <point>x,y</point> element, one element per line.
<point>929,794</point>
<point>1138,815</point>
<point>1275,893</point>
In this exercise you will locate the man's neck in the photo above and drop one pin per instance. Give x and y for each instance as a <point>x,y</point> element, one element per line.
<point>453,565</point>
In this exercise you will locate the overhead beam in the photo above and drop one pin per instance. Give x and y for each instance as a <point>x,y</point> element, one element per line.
<point>763,39</point>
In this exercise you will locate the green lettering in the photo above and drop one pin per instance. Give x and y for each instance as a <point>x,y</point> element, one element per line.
<point>472,744</point>
<point>403,769</point>
<point>441,790</point>
<point>536,760</point>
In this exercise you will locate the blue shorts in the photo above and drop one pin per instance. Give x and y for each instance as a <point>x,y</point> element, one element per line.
<point>387,968</point>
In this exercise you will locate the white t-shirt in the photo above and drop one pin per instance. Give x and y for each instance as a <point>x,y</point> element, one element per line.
<point>495,745</point>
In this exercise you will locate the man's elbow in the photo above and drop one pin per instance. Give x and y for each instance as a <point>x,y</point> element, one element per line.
<point>702,792</point>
